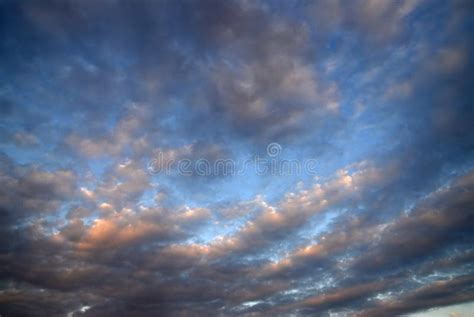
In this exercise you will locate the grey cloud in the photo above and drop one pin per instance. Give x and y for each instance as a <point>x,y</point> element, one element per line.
<point>377,21</point>
<point>138,275</point>
<point>207,72</point>
<point>439,293</point>
<point>30,192</point>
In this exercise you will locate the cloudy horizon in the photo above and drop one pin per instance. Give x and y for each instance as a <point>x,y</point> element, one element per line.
<point>236,158</point>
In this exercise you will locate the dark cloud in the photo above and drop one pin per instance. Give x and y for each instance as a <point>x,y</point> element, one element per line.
<point>438,293</point>
<point>31,192</point>
<point>441,221</point>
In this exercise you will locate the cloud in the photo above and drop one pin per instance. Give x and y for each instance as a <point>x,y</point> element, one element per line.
<point>439,293</point>
<point>122,137</point>
<point>30,191</point>
<point>378,93</point>
<point>275,96</point>
<point>377,21</point>
<point>25,139</point>
<point>277,222</point>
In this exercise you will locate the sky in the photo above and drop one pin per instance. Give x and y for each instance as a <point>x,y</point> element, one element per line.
<point>236,158</point>
<point>460,310</point>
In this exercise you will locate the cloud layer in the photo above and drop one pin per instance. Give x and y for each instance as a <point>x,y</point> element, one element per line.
<point>378,93</point>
